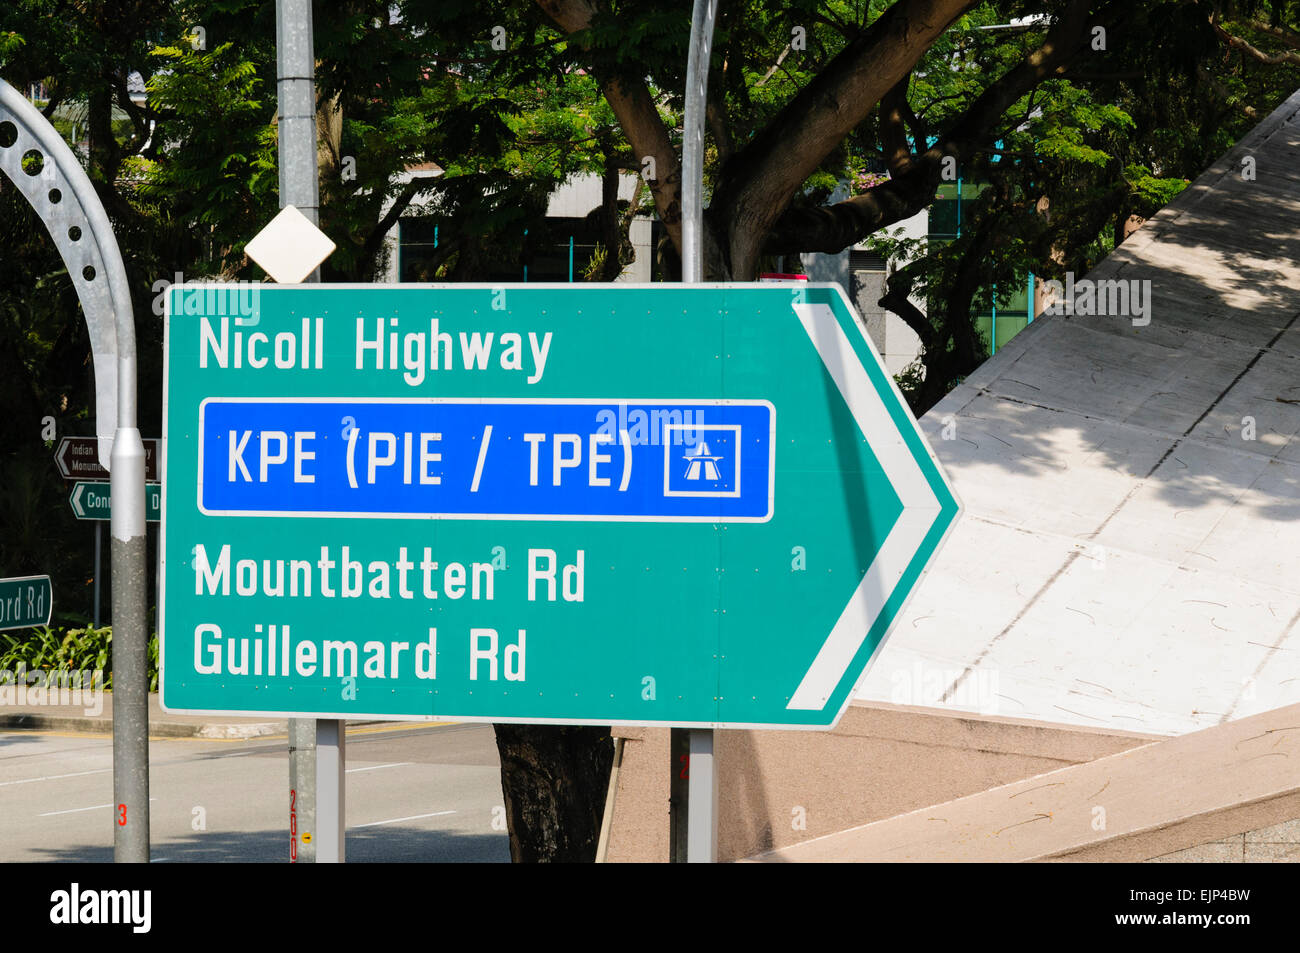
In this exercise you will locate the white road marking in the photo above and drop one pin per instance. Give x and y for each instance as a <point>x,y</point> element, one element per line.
<point>395,820</point>
<point>78,810</point>
<point>54,777</point>
<point>376,767</point>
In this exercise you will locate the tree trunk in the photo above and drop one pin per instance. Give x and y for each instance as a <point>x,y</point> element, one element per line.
<point>612,235</point>
<point>554,779</point>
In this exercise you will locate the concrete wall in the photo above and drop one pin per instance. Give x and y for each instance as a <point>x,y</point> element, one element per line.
<point>640,233</point>
<point>778,788</point>
<point>1229,792</point>
<point>578,195</point>
<point>822,267</point>
<point>897,343</point>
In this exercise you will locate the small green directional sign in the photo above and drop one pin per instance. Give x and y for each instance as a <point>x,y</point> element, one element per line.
<point>657,504</point>
<point>93,500</point>
<point>25,601</point>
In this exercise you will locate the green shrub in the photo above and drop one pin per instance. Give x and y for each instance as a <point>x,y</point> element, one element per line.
<point>61,648</point>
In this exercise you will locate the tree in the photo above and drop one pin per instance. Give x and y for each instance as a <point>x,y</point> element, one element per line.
<point>1074,96</point>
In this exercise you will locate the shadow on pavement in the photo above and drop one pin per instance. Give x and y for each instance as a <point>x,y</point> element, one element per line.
<point>390,845</point>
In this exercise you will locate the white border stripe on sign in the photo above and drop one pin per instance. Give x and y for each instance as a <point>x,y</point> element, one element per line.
<point>920,507</point>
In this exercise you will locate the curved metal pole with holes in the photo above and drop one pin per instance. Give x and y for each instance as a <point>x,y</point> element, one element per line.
<point>34,156</point>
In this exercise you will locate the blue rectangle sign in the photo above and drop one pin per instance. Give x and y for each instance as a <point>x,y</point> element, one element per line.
<point>641,460</point>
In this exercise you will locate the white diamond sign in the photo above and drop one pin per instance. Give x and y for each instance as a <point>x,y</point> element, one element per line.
<point>290,248</point>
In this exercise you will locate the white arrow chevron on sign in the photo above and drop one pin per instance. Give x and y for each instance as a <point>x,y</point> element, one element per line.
<point>921,508</point>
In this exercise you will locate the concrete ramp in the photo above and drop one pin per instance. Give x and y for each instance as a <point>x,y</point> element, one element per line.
<point>1130,554</point>
<point>1222,794</point>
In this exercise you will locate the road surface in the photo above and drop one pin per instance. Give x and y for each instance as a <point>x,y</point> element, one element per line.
<point>415,792</point>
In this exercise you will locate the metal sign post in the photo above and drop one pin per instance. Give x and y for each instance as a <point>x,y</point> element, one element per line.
<point>701,794</point>
<point>99,567</point>
<point>57,187</point>
<point>316,753</point>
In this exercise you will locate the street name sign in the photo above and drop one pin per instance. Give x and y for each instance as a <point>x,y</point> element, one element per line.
<point>94,501</point>
<point>78,459</point>
<point>25,601</point>
<point>657,504</point>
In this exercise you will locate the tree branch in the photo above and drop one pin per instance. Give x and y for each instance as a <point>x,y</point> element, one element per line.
<point>1290,37</point>
<point>1238,43</point>
<point>639,118</point>
<point>893,132</point>
<point>761,178</point>
<point>849,31</point>
<point>139,122</point>
<point>779,60</point>
<point>897,298</point>
<point>831,229</point>
<point>1083,77</point>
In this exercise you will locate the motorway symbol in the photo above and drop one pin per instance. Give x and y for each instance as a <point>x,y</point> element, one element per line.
<point>701,458</point>
<point>639,504</point>
<point>78,459</point>
<point>25,601</point>
<point>93,501</point>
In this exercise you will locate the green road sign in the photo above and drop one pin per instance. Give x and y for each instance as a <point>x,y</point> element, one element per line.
<point>25,601</point>
<point>631,504</point>
<point>93,501</point>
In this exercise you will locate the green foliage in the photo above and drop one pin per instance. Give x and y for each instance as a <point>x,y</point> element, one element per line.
<point>9,42</point>
<point>1152,192</point>
<point>1067,167</point>
<point>58,649</point>
<point>492,131</point>
<point>910,381</point>
<point>220,173</point>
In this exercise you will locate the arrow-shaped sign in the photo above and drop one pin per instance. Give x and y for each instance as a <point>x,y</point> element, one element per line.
<point>78,459</point>
<point>94,501</point>
<point>653,504</point>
